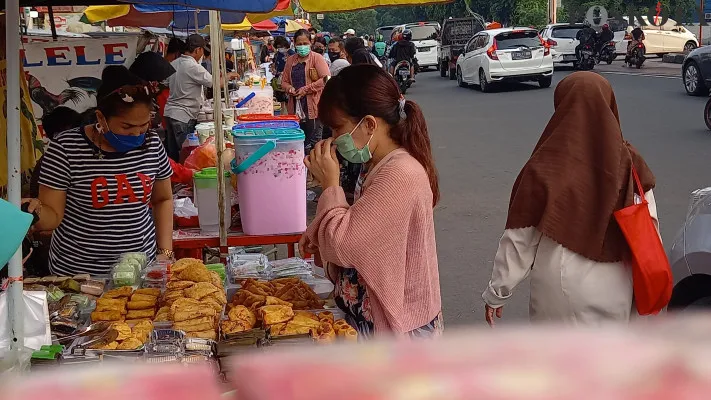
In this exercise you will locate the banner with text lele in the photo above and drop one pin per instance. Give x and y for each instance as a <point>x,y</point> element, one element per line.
<point>68,73</point>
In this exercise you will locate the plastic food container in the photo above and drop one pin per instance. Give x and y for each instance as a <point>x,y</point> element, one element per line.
<point>271,180</point>
<point>266,117</point>
<point>263,101</point>
<point>206,199</point>
<point>205,130</point>
<point>282,124</point>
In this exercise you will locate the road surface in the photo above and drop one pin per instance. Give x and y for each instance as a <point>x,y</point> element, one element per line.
<point>481,141</point>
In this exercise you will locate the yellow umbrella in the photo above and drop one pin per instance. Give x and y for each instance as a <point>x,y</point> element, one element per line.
<point>103,13</point>
<point>245,25</point>
<point>292,26</point>
<point>319,6</point>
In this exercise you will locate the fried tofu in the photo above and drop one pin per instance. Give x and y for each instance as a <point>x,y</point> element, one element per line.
<point>276,314</point>
<point>124,291</point>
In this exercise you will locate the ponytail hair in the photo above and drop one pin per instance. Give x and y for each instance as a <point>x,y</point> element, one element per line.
<point>361,90</point>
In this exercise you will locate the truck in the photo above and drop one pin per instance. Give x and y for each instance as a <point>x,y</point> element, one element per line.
<point>454,36</point>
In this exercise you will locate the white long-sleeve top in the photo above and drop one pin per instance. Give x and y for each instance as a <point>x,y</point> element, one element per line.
<point>565,286</point>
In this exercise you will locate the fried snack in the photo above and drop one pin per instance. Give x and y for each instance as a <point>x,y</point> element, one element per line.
<point>141,314</point>
<point>306,314</point>
<point>242,313</point>
<point>247,298</point>
<point>326,329</point>
<point>200,290</point>
<point>173,294</point>
<point>195,273</point>
<point>155,292</point>
<point>216,280</point>
<point>130,344</point>
<point>142,330</point>
<point>275,301</point>
<point>231,327</point>
<point>211,335</point>
<point>341,324</point>
<point>294,329</point>
<point>178,285</point>
<point>285,281</point>
<point>106,316</point>
<point>183,302</point>
<point>134,322</point>
<point>105,307</point>
<point>327,315</point>
<point>140,305</point>
<point>103,304</point>
<point>183,263</point>
<point>275,330</point>
<point>302,320</point>
<point>144,297</point>
<point>219,296</point>
<point>351,335</point>
<point>145,324</point>
<point>109,346</point>
<point>326,338</point>
<point>275,314</point>
<point>180,316</point>
<point>162,317</point>
<point>124,331</point>
<point>124,291</point>
<point>211,303</point>
<point>258,288</point>
<point>195,325</point>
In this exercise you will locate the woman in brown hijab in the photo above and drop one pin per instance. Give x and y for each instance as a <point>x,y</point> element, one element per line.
<point>560,228</point>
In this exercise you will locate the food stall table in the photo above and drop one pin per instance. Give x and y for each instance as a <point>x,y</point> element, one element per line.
<point>191,242</point>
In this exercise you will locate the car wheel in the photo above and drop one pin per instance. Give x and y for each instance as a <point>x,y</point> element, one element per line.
<point>707,114</point>
<point>546,81</point>
<point>443,69</point>
<point>693,82</point>
<point>689,46</point>
<point>483,84</point>
<point>452,74</point>
<point>460,78</point>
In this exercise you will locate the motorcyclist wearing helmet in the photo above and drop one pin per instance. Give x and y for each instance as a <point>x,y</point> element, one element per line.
<point>404,50</point>
<point>605,36</point>
<point>637,38</point>
<point>587,35</point>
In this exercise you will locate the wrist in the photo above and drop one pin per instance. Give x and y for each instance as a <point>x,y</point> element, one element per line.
<point>166,252</point>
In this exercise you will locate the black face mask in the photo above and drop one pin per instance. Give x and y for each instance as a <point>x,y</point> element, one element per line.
<point>318,50</point>
<point>334,55</point>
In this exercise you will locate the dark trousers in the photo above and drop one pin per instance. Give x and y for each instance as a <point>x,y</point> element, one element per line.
<point>176,134</point>
<point>313,130</point>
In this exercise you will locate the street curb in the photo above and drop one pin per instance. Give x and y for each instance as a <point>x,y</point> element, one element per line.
<point>673,58</point>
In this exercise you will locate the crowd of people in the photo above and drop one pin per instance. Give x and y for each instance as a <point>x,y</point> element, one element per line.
<point>104,185</point>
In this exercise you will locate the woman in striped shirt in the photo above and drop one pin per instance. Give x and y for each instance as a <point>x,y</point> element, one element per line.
<point>105,188</point>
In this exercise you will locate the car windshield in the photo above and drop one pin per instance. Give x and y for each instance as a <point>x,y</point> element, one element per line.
<point>386,32</point>
<point>565,32</point>
<point>423,32</point>
<point>514,39</point>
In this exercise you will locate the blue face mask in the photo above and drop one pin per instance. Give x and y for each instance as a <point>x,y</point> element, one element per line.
<point>123,143</point>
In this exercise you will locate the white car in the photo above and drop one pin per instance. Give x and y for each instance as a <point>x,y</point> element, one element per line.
<point>424,36</point>
<point>562,42</point>
<point>668,38</point>
<point>506,54</point>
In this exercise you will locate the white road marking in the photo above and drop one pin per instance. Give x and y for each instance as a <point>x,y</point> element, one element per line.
<point>645,75</point>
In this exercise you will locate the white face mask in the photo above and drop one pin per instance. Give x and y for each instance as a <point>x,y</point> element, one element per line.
<point>282,50</point>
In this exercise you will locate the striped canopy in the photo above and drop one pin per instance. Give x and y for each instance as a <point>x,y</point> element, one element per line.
<point>317,6</point>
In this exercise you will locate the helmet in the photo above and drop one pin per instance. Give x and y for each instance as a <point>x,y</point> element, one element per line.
<point>407,34</point>
<point>379,38</point>
<point>605,27</point>
<point>586,23</point>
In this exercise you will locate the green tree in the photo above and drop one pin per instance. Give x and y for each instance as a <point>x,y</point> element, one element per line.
<point>531,13</point>
<point>363,22</point>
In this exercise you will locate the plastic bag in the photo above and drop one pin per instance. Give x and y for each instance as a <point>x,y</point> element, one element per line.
<point>204,156</point>
<point>184,208</point>
<point>36,323</point>
<point>299,111</point>
<point>181,174</point>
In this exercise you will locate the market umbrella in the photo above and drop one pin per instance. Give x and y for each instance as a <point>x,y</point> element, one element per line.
<point>249,6</point>
<point>246,25</point>
<point>283,9</point>
<point>154,16</point>
<point>319,6</point>
<point>291,26</point>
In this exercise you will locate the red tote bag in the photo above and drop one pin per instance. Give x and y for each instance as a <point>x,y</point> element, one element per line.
<point>651,272</point>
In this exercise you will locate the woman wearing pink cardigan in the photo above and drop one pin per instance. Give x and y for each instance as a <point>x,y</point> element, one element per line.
<point>380,252</point>
<point>303,81</point>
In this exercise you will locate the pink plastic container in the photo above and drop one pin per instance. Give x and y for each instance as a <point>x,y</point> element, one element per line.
<point>271,180</point>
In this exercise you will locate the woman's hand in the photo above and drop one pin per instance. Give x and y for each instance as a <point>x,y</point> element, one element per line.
<point>300,93</point>
<point>163,257</point>
<point>35,205</point>
<point>291,91</point>
<point>490,314</point>
<point>323,164</point>
<point>306,246</point>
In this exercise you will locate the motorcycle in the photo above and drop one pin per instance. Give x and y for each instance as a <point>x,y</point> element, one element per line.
<point>636,55</point>
<point>402,76</point>
<point>586,57</point>
<point>608,53</point>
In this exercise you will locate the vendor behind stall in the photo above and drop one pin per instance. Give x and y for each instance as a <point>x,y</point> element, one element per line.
<point>100,183</point>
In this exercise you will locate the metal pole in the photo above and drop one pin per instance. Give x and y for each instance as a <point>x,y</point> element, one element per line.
<point>702,20</point>
<point>14,168</point>
<point>197,29</point>
<point>223,64</point>
<point>216,38</point>
<point>51,23</point>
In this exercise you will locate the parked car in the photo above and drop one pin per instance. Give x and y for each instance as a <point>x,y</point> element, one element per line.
<point>455,34</point>
<point>562,42</point>
<point>387,32</point>
<point>506,54</point>
<point>696,72</point>
<point>668,38</point>
<point>424,35</point>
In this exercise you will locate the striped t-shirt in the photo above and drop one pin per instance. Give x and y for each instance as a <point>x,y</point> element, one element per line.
<point>107,208</point>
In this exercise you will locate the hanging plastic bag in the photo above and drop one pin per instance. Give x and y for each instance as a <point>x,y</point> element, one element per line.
<point>299,110</point>
<point>36,320</point>
<point>181,174</point>
<point>651,274</point>
<point>204,156</point>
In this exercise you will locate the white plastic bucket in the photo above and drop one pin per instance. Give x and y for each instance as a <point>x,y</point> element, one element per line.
<point>206,195</point>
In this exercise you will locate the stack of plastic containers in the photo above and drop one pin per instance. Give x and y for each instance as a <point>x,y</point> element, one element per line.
<point>269,162</point>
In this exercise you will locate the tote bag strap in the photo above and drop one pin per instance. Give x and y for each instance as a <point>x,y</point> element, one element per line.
<point>640,189</point>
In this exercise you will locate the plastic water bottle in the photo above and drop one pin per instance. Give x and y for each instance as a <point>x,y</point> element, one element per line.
<point>190,144</point>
